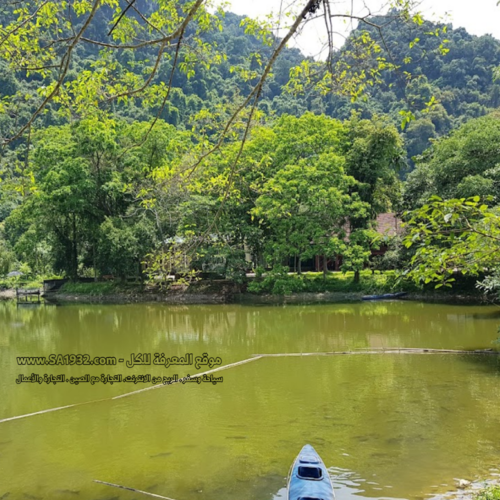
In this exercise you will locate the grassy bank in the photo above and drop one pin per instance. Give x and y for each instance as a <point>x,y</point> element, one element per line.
<point>271,288</point>
<point>98,288</point>
<point>120,292</point>
<point>270,284</point>
<point>369,283</point>
<point>489,493</point>
<point>119,287</point>
<point>334,284</point>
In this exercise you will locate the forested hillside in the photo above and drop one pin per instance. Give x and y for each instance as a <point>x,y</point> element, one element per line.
<point>207,86</point>
<point>458,74</point>
<point>461,78</point>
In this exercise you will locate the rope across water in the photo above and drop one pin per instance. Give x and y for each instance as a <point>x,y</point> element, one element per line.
<point>255,357</point>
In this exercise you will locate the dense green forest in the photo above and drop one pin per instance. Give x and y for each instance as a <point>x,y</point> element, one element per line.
<point>459,75</point>
<point>113,181</point>
<point>90,200</point>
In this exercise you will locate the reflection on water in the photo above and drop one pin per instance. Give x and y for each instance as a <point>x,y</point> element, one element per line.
<point>391,426</point>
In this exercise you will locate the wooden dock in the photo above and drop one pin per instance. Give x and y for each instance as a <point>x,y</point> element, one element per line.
<point>28,295</point>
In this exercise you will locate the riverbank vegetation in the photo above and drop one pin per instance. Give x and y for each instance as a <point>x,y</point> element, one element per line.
<point>216,166</point>
<point>272,282</point>
<point>490,493</point>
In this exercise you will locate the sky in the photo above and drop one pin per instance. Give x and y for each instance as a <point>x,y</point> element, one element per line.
<point>479,17</point>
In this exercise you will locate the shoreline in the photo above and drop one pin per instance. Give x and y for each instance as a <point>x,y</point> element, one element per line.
<point>469,491</point>
<point>234,295</point>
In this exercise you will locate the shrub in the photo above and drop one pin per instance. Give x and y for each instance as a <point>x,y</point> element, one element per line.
<point>277,282</point>
<point>489,493</point>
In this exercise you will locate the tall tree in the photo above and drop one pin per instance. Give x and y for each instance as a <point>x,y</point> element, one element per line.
<point>463,164</point>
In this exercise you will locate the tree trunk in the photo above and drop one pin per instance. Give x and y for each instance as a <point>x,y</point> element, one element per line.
<point>325,266</point>
<point>74,253</point>
<point>300,266</point>
<point>356,276</point>
<point>248,253</point>
<point>94,262</point>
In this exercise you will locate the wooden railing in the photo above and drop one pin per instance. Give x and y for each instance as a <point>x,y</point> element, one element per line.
<point>25,295</point>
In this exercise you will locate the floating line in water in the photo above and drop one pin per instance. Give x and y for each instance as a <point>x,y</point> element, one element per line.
<point>132,489</point>
<point>379,350</point>
<point>225,367</point>
<point>255,357</point>
<point>232,365</point>
<point>51,409</point>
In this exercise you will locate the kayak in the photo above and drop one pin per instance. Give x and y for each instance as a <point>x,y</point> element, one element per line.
<point>385,296</point>
<point>309,479</point>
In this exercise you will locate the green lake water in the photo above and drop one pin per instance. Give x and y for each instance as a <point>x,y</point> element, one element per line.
<point>386,426</point>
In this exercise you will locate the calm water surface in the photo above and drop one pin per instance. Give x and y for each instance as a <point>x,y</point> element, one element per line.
<point>387,426</point>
